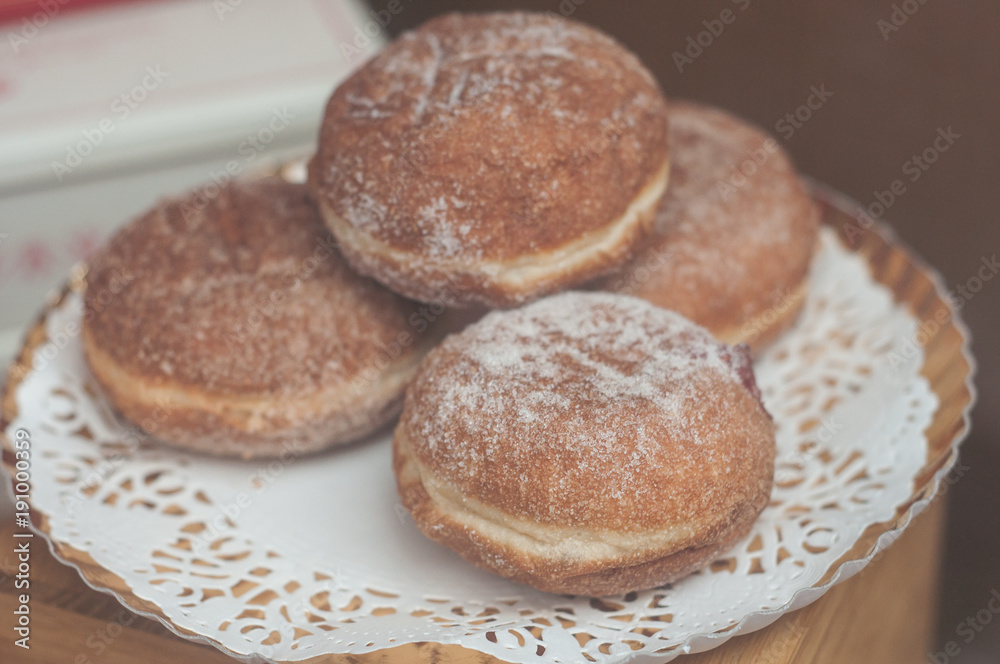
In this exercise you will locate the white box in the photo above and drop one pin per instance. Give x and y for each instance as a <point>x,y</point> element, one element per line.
<point>104,111</point>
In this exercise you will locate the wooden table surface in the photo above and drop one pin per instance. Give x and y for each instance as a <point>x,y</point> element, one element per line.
<point>885,615</point>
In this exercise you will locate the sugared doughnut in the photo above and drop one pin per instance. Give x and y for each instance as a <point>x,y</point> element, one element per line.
<point>588,443</point>
<point>735,233</point>
<point>234,327</point>
<point>501,155</point>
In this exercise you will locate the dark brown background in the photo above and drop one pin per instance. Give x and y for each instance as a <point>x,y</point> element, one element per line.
<point>940,69</point>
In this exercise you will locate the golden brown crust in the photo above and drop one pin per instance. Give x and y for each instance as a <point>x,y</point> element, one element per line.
<point>760,331</point>
<point>595,577</point>
<point>237,425</point>
<point>482,139</point>
<point>588,443</point>
<point>231,324</point>
<point>735,233</point>
<point>502,283</point>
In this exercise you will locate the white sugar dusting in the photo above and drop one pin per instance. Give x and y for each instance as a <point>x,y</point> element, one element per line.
<point>441,91</point>
<point>429,76</point>
<point>711,197</point>
<point>736,230</point>
<point>578,378</point>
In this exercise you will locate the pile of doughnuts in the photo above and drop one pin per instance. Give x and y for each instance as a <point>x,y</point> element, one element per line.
<point>600,430</point>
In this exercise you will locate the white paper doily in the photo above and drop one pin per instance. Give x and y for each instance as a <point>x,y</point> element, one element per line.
<point>304,556</point>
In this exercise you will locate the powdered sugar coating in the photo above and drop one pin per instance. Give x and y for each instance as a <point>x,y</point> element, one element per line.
<point>490,136</point>
<point>243,293</point>
<point>592,410</point>
<point>736,231</point>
